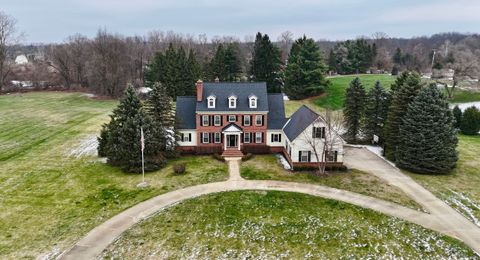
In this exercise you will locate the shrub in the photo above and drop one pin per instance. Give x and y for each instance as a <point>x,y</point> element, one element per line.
<point>179,168</point>
<point>328,168</point>
<point>470,124</point>
<point>218,157</point>
<point>247,157</point>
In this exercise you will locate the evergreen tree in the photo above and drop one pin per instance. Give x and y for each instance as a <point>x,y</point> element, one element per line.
<point>119,140</point>
<point>376,109</point>
<point>233,64</point>
<point>177,72</point>
<point>353,108</point>
<point>470,124</point>
<point>305,72</point>
<point>159,107</point>
<point>217,68</point>
<point>397,57</point>
<point>401,98</point>
<point>266,63</point>
<point>399,81</point>
<point>457,114</point>
<point>427,138</point>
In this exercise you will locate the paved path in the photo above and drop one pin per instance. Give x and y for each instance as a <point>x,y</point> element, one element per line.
<point>100,237</point>
<point>234,168</point>
<point>452,222</point>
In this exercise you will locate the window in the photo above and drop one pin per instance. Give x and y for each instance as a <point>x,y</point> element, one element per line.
<point>246,138</point>
<point>252,101</point>
<point>217,120</point>
<point>205,120</point>
<point>205,138</point>
<point>318,132</point>
<point>217,138</point>
<point>259,120</point>
<point>186,137</point>
<point>247,120</point>
<point>304,156</point>
<point>211,102</point>
<point>232,102</point>
<point>331,156</point>
<point>276,138</point>
<point>232,118</point>
<point>258,137</point>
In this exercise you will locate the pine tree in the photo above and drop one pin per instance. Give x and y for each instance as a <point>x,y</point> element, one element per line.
<point>457,114</point>
<point>353,108</point>
<point>266,63</point>
<point>399,81</point>
<point>470,124</point>
<point>376,109</point>
<point>401,98</point>
<point>305,71</point>
<point>233,64</point>
<point>159,107</point>
<point>120,139</point>
<point>427,138</point>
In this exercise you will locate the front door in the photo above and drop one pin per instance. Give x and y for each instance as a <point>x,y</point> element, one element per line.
<point>232,141</point>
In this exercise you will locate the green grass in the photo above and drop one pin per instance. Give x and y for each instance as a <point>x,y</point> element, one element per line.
<point>464,96</point>
<point>335,94</point>
<point>266,167</point>
<point>461,188</point>
<point>49,199</point>
<point>272,225</point>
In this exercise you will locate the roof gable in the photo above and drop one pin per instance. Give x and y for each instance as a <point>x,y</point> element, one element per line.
<point>299,121</point>
<point>231,128</point>
<point>241,90</point>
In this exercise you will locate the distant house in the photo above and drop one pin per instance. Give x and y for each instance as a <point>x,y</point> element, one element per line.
<point>236,118</point>
<point>21,60</point>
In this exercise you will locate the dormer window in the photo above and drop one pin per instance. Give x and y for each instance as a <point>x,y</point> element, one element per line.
<point>232,102</point>
<point>252,101</point>
<point>211,101</point>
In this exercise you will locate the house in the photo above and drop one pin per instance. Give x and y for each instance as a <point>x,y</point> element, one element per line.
<point>236,118</point>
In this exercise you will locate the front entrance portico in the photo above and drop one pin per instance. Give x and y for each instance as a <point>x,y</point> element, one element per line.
<point>231,137</point>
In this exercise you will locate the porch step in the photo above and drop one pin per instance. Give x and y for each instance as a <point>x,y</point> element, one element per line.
<point>232,153</point>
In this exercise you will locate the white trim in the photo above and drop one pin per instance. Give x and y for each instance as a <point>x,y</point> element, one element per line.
<point>229,112</point>
<point>211,98</point>
<point>230,99</point>
<point>214,120</point>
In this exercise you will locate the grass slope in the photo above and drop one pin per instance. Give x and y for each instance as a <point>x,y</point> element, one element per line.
<point>49,199</point>
<point>335,94</point>
<point>461,188</point>
<point>272,225</point>
<point>266,167</point>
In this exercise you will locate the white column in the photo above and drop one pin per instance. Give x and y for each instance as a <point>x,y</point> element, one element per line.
<point>225,141</point>
<point>238,143</point>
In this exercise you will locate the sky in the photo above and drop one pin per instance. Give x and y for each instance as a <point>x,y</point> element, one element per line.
<point>44,21</point>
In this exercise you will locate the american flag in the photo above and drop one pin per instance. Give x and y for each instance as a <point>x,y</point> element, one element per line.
<point>142,139</point>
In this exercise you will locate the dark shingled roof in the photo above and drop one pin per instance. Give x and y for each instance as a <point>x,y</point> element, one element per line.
<point>242,90</point>
<point>185,112</point>
<point>302,118</point>
<point>276,116</point>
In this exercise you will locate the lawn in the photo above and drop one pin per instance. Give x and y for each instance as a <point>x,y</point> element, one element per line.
<point>279,225</point>
<point>464,96</point>
<point>335,94</point>
<point>266,167</point>
<point>461,188</point>
<point>50,196</point>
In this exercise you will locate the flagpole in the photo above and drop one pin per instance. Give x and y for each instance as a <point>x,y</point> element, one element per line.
<point>143,161</point>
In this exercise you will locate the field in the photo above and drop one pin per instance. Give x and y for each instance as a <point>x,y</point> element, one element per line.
<point>52,189</point>
<point>273,225</point>
<point>461,188</point>
<point>335,94</point>
<point>266,167</point>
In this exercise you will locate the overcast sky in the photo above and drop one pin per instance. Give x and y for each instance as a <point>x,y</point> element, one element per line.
<point>54,20</point>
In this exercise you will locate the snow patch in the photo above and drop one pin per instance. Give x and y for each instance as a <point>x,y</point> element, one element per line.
<point>283,161</point>
<point>87,147</point>
<point>464,205</point>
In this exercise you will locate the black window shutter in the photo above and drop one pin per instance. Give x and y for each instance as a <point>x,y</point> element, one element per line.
<point>323,132</point>
<point>263,123</point>
<point>243,120</point>
<point>271,137</point>
<point>242,137</point>
<point>336,153</point>
<point>189,137</point>
<point>313,132</point>
<point>201,137</point>
<point>299,156</point>
<point>309,156</point>
<point>280,137</point>
<point>263,137</point>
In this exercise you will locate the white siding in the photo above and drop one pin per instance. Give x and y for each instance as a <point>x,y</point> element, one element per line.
<point>301,144</point>
<point>193,142</point>
<point>275,144</point>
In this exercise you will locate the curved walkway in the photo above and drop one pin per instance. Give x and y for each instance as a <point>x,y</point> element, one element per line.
<point>100,237</point>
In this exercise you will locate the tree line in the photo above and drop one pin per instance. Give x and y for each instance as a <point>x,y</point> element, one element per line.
<point>413,123</point>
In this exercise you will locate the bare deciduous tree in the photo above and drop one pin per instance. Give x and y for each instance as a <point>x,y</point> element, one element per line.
<point>8,36</point>
<point>326,141</point>
<point>286,40</point>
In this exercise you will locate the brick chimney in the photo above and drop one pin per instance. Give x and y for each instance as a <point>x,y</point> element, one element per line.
<point>199,90</point>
